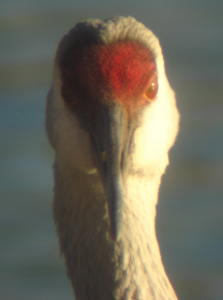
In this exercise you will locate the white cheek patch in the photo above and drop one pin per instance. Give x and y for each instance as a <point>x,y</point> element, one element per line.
<point>156,134</point>
<point>148,143</point>
<point>76,147</point>
<point>71,142</point>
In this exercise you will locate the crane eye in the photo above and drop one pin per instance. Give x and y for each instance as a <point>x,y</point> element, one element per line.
<point>152,89</point>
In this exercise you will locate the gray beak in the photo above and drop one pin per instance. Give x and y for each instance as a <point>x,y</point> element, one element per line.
<point>111,138</point>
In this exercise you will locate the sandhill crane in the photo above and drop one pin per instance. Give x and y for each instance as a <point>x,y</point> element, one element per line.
<point>111,118</point>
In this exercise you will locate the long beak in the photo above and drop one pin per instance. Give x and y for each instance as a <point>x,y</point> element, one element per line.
<point>111,137</point>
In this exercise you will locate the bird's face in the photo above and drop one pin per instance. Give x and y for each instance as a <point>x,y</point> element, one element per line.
<point>107,87</point>
<point>122,73</point>
<point>120,97</point>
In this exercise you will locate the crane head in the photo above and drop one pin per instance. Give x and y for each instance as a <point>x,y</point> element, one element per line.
<point>116,109</point>
<point>123,72</point>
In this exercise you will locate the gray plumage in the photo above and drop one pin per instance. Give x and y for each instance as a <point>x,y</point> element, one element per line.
<point>111,252</point>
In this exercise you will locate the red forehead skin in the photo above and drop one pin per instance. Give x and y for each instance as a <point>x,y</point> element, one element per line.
<point>116,72</point>
<point>126,68</point>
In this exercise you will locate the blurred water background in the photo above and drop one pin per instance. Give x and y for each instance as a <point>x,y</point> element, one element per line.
<point>190,211</point>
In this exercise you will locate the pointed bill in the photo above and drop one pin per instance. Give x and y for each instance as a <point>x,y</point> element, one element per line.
<point>111,136</point>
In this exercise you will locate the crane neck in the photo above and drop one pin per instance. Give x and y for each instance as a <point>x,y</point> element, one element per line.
<point>129,268</point>
<point>138,245</point>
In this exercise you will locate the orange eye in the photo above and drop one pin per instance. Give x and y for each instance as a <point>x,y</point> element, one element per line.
<point>151,91</point>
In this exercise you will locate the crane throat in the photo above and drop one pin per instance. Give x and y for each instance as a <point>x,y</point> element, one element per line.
<point>123,71</point>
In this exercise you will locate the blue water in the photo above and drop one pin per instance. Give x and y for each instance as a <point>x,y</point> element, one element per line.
<point>190,212</point>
